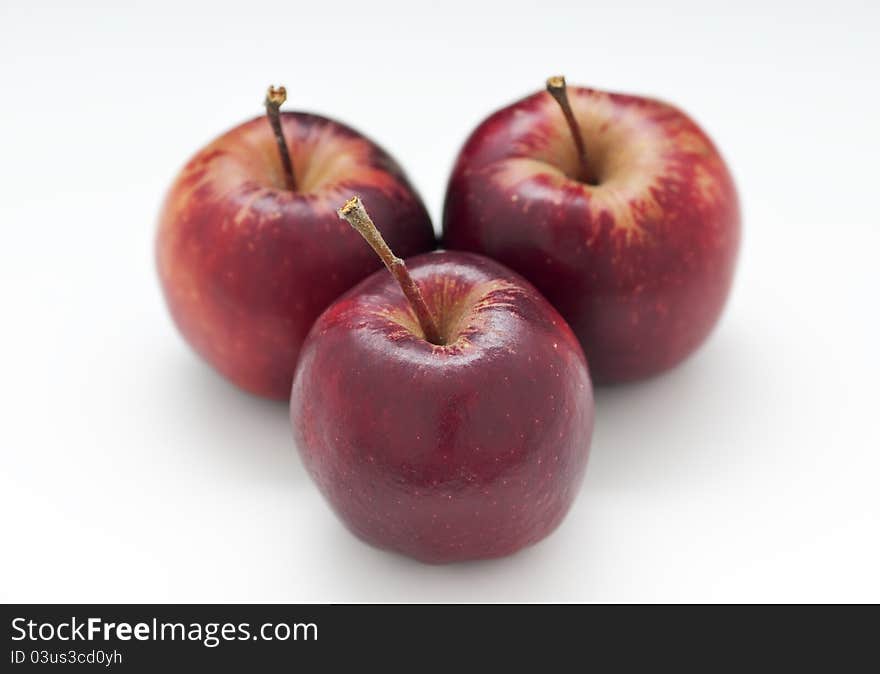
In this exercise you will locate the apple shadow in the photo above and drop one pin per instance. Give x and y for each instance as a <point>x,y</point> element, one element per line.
<point>682,424</point>
<point>234,430</point>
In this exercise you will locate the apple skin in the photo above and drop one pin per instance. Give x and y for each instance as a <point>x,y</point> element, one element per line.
<point>445,453</point>
<point>641,264</point>
<point>247,265</point>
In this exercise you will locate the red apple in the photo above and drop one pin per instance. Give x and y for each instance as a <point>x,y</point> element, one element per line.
<point>470,447</point>
<point>626,219</point>
<point>249,254</point>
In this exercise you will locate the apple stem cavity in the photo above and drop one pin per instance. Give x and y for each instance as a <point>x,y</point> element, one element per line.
<point>356,215</point>
<point>557,89</point>
<point>275,98</point>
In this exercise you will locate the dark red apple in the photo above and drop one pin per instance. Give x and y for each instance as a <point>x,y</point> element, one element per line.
<point>618,208</point>
<point>249,254</point>
<point>469,447</point>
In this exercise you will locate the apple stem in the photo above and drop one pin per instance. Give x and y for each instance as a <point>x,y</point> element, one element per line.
<point>556,88</point>
<point>275,98</point>
<point>356,215</point>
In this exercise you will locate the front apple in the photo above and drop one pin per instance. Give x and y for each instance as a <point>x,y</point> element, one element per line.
<point>624,215</point>
<point>468,448</point>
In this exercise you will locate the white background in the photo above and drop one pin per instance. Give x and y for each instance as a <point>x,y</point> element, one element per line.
<point>131,472</point>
